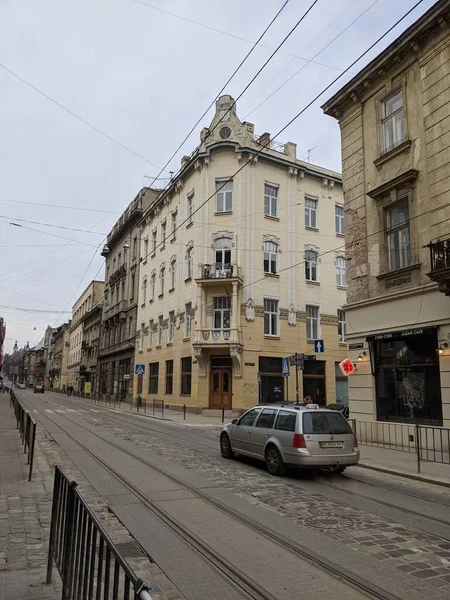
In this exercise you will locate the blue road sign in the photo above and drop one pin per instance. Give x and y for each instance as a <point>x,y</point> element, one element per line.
<point>139,369</point>
<point>319,346</point>
<point>285,369</point>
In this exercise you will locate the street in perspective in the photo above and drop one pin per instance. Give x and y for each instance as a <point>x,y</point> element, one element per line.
<point>224,358</point>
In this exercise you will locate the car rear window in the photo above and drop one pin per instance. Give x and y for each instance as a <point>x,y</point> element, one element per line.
<point>325,422</point>
<point>286,421</point>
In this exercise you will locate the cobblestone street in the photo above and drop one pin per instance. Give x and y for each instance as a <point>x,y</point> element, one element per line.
<point>397,525</point>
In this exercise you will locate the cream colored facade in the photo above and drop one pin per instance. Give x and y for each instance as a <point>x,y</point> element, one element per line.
<point>395,126</point>
<point>232,264</point>
<point>61,356</point>
<point>87,302</point>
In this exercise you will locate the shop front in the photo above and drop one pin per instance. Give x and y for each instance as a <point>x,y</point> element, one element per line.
<point>406,370</point>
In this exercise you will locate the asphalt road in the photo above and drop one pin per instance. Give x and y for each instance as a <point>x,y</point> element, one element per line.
<point>392,534</point>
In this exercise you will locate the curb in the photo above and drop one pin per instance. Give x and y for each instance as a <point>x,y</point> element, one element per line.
<point>405,475</point>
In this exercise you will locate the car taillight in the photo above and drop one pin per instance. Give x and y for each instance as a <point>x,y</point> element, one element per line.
<point>298,441</point>
<point>355,441</point>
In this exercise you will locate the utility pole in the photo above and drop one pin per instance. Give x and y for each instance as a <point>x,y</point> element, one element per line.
<point>297,390</point>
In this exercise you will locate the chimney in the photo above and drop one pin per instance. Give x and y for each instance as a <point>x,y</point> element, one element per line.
<point>264,140</point>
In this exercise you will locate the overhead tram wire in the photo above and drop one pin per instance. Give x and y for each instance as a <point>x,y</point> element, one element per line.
<point>310,61</point>
<point>232,35</point>
<point>70,112</point>
<point>51,225</point>
<point>222,89</point>
<point>265,146</point>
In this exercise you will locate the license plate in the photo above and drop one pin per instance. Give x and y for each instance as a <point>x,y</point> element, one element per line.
<point>331,444</point>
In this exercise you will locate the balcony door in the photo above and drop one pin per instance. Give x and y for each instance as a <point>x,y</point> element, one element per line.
<point>222,313</point>
<point>222,257</point>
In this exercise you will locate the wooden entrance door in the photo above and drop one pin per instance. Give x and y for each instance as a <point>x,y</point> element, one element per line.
<point>220,396</point>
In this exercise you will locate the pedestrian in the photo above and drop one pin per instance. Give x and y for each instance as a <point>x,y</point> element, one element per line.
<point>308,400</point>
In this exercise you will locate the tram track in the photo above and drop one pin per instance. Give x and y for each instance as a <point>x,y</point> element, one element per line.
<point>245,583</point>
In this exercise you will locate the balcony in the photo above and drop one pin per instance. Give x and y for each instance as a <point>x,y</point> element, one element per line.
<point>218,272</point>
<point>117,275</point>
<point>440,264</point>
<point>85,346</point>
<point>119,307</point>
<point>206,339</point>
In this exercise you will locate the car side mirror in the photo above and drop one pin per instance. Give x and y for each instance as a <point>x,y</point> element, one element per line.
<point>234,422</point>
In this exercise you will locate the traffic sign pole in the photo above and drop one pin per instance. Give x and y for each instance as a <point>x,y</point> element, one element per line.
<point>297,389</point>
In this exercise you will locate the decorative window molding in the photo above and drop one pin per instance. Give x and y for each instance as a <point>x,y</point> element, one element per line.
<point>268,237</point>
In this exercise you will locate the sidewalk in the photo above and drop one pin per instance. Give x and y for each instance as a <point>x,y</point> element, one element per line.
<point>25,511</point>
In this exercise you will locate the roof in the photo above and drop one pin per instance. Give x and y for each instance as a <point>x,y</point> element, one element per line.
<point>406,45</point>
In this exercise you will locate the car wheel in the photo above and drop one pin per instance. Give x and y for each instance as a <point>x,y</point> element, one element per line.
<point>274,462</point>
<point>225,446</point>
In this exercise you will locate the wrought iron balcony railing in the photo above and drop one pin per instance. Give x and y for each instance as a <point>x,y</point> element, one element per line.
<point>439,255</point>
<point>218,271</point>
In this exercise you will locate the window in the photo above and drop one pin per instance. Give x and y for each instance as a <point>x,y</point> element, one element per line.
<point>312,322</point>
<point>133,285</point>
<point>160,325</point>
<point>222,255</point>
<point>187,319</point>
<point>169,377</point>
<point>144,291</point>
<point>153,378</point>
<point>266,418</point>
<point>131,331</point>
<point>174,225</point>
<point>152,287</point>
<point>141,337</point>
<point>311,272</point>
<point>341,325</point>
<point>154,242</point>
<point>186,376</point>
<point>222,312</point>
<point>189,262</point>
<point>392,122</point>
<point>341,279</point>
<point>331,422</point>
<point>150,334</point>
<point>286,421</point>
<point>162,276</point>
<point>123,290</point>
<point>170,327</point>
<point>173,270</point>
<point>119,260</point>
<point>112,296</point>
<point>339,219</point>
<point>135,247</point>
<point>399,247</point>
<point>114,265</point>
<point>224,196</point>
<point>163,234</point>
<point>271,317</point>
<point>270,201</point>
<point>310,212</point>
<point>270,258</point>
<point>145,253</point>
<point>248,419</point>
<point>190,209</point>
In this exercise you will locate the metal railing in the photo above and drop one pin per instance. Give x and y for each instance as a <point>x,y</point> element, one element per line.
<point>27,430</point>
<point>218,271</point>
<point>87,559</point>
<point>439,255</point>
<point>429,444</point>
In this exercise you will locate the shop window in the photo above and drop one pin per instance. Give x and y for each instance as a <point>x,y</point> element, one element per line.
<point>314,383</point>
<point>407,376</point>
<point>272,381</point>
<point>153,381</point>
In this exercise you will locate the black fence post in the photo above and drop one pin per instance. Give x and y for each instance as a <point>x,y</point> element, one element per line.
<point>223,414</point>
<point>418,447</point>
<point>184,412</point>
<point>51,543</point>
<point>162,408</point>
<point>31,449</point>
<point>68,550</point>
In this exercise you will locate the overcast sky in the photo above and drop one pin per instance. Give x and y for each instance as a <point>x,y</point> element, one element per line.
<point>142,77</point>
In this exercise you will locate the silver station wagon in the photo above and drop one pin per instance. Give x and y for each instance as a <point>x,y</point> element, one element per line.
<point>292,435</point>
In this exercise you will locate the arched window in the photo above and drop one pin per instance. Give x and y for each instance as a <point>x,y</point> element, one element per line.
<point>311,272</point>
<point>270,258</point>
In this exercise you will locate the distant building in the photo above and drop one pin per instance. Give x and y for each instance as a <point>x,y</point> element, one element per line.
<point>59,373</point>
<point>118,336</point>
<point>395,126</point>
<point>87,304</point>
<point>235,275</point>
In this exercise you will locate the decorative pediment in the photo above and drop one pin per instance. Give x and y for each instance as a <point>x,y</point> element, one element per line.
<point>268,237</point>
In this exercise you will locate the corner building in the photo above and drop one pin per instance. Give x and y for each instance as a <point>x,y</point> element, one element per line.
<point>237,274</point>
<point>395,127</point>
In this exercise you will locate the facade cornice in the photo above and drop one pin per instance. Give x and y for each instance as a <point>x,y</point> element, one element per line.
<point>383,189</point>
<point>406,47</point>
